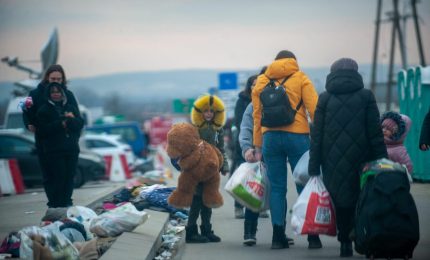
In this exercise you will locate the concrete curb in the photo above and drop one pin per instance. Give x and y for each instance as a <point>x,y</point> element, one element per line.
<point>99,201</point>
<point>143,242</point>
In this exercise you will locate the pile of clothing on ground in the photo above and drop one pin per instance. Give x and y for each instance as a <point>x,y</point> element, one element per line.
<point>80,233</point>
<point>172,238</point>
<point>72,233</point>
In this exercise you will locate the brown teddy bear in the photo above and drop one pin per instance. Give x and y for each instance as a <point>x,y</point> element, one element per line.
<point>199,162</point>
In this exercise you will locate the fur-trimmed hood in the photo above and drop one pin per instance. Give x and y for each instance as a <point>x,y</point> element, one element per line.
<point>403,122</point>
<point>207,102</point>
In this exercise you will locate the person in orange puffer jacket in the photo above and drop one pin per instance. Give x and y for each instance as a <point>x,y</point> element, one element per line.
<point>287,142</point>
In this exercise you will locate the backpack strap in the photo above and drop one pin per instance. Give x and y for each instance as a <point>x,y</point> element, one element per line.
<point>299,105</point>
<point>283,82</point>
<point>286,78</point>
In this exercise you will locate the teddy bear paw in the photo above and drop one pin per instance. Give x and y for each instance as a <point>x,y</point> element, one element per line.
<point>213,201</point>
<point>179,201</point>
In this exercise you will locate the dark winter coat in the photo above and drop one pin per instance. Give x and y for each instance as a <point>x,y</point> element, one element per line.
<point>216,138</point>
<point>54,137</point>
<point>39,98</point>
<point>239,109</point>
<point>346,133</point>
<point>425,130</point>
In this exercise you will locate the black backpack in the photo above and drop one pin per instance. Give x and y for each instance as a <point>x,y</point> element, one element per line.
<point>277,110</point>
<point>386,220</point>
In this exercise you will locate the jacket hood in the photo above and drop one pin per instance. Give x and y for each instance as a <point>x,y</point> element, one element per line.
<point>41,86</point>
<point>403,123</point>
<point>207,102</point>
<point>47,92</point>
<point>243,95</point>
<point>344,81</point>
<point>281,68</point>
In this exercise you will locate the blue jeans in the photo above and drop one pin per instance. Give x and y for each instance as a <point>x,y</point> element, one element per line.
<point>251,215</point>
<point>278,147</point>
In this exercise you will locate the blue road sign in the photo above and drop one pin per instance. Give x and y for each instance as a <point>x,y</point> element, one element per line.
<point>227,81</point>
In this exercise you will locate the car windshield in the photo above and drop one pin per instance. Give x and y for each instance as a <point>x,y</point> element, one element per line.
<point>91,143</point>
<point>11,144</point>
<point>121,141</point>
<point>127,133</point>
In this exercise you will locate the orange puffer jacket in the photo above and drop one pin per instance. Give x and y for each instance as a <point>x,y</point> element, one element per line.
<point>298,87</point>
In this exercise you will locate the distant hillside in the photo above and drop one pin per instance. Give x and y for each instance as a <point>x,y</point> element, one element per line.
<point>137,87</point>
<point>164,85</point>
<point>144,86</point>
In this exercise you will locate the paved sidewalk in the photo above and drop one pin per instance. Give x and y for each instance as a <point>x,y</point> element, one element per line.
<point>18,211</point>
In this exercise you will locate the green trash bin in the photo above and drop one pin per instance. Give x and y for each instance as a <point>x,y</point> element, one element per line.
<point>414,101</point>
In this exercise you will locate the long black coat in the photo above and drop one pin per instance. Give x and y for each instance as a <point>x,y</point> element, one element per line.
<point>239,109</point>
<point>425,130</point>
<point>346,133</point>
<point>53,136</point>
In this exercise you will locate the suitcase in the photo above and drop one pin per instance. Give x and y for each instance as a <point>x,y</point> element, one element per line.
<point>386,220</point>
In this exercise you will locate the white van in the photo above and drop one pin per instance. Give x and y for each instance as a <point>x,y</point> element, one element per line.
<point>13,116</point>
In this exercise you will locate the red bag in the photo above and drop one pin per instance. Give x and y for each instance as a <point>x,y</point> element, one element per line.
<point>313,213</point>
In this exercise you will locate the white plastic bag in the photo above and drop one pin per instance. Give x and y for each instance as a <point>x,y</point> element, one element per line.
<point>250,186</point>
<point>84,216</point>
<point>59,246</point>
<point>301,173</point>
<point>113,223</point>
<point>313,212</point>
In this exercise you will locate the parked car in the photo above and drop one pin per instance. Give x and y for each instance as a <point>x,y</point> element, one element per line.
<point>129,131</point>
<point>105,144</point>
<point>18,144</point>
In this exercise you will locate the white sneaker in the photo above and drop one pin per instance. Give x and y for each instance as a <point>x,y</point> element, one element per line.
<point>238,213</point>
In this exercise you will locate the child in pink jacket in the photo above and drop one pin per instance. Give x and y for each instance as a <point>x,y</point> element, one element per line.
<point>395,127</point>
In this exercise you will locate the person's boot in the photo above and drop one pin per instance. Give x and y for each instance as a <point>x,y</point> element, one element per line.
<point>314,242</point>
<point>209,234</point>
<point>290,240</point>
<point>346,249</point>
<point>279,239</point>
<point>250,231</point>
<point>192,235</point>
<point>238,213</point>
<point>264,214</point>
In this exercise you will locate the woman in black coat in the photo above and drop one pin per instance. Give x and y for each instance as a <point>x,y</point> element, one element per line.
<point>59,124</point>
<point>346,133</point>
<point>54,73</point>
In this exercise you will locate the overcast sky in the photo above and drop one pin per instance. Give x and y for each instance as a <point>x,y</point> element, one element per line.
<point>102,37</point>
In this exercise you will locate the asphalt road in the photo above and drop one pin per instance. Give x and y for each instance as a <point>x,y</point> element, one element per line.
<point>231,232</point>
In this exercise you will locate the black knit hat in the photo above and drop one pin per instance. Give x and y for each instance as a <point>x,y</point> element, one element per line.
<point>54,84</point>
<point>344,64</point>
<point>285,54</point>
